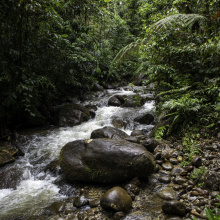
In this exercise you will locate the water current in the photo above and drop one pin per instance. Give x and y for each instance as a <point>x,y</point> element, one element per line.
<point>32,188</point>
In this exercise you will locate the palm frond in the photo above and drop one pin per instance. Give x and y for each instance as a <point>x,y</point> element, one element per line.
<point>178,20</point>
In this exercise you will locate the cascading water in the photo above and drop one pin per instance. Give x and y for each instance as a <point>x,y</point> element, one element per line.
<point>34,189</point>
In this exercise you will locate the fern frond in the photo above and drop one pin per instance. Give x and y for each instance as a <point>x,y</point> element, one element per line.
<point>178,20</point>
<point>172,91</point>
<point>126,52</point>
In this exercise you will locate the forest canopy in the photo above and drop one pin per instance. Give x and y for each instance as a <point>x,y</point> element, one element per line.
<point>53,49</point>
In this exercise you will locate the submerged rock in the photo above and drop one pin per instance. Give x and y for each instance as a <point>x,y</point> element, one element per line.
<point>105,160</point>
<point>116,199</point>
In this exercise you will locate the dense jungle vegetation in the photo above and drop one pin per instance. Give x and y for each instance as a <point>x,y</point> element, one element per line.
<point>55,49</point>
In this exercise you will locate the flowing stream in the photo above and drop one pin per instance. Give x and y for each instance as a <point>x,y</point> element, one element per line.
<point>31,188</point>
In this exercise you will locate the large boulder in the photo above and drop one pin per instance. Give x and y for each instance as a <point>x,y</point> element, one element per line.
<point>7,153</point>
<point>71,115</point>
<point>109,132</point>
<point>105,160</point>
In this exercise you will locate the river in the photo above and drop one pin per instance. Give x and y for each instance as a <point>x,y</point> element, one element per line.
<point>31,188</point>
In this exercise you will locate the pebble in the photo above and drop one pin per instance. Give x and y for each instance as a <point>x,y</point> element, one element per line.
<point>180,159</point>
<point>180,180</point>
<point>173,161</point>
<point>167,166</point>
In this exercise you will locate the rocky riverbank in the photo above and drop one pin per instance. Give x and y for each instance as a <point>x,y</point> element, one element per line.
<point>176,184</point>
<point>173,192</point>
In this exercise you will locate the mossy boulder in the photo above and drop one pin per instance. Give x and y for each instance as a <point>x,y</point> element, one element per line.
<point>70,115</point>
<point>6,153</point>
<point>105,160</point>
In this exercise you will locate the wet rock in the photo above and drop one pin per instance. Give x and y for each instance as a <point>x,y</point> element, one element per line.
<point>164,179</point>
<point>94,203</point>
<point>167,166</point>
<point>118,215</point>
<point>119,123</point>
<point>132,190</point>
<point>6,158</point>
<point>53,167</point>
<point>92,109</point>
<point>58,207</point>
<point>105,160</point>
<point>174,154</point>
<point>133,139</point>
<point>214,194</point>
<point>197,161</point>
<point>135,181</point>
<point>150,144</point>
<point>80,201</point>
<point>176,171</point>
<point>173,161</point>
<point>180,159</point>
<point>7,153</point>
<point>174,208</point>
<point>133,101</point>
<point>70,115</point>
<point>157,155</point>
<point>167,193</point>
<point>212,180</point>
<point>137,133</point>
<point>114,101</point>
<point>145,119</point>
<point>116,199</point>
<point>109,132</point>
<point>180,180</point>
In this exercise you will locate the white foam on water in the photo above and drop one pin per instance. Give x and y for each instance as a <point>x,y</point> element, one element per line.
<point>30,197</point>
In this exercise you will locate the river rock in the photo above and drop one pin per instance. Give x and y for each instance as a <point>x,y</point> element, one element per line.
<point>105,160</point>
<point>197,161</point>
<point>133,101</point>
<point>109,132</point>
<point>116,199</point>
<point>114,101</point>
<point>6,153</point>
<point>164,179</point>
<point>137,133</point>
<point>167,193</point>
<point>174,208</point>
<point>71,115</point>
<point>150,144</point>
<point>167,166</point>
<point>119,123</point>
<point>212,180</point>
<point>145,119</point>
<point>177,170</point>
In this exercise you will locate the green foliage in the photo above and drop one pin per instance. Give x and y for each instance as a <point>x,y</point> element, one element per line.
<point>160,133</point>
<point>191,146</point>
<point>198,173</point>
<point>210,214</point>
<point>54,49</point>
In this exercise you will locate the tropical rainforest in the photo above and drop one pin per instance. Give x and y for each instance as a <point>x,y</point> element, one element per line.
<point>55,49</point>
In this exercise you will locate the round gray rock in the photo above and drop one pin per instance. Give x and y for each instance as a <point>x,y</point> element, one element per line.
<point>116,199</point>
